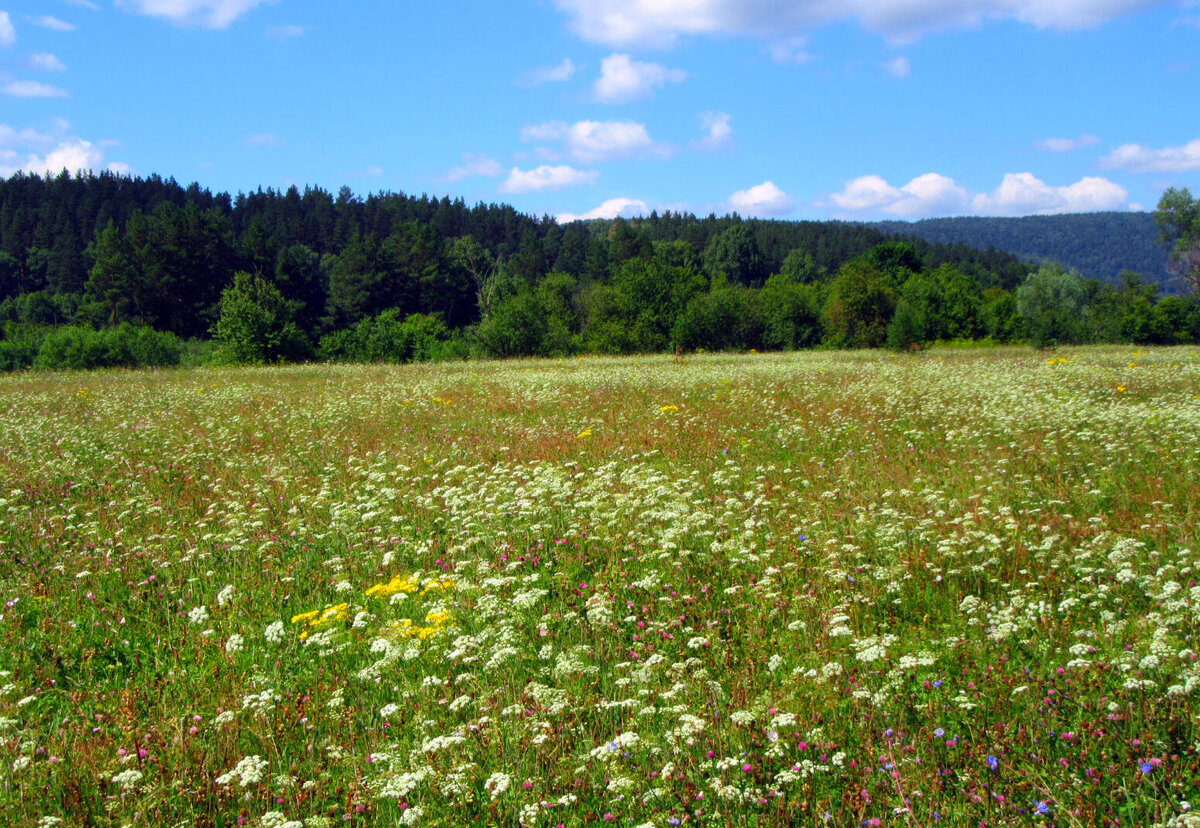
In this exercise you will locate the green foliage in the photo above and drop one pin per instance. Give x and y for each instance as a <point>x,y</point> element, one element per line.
<point>726,318</point>
<point>1098,245</point>
<point>386,338</point>
<point>1050,303</point>
<point>791,312</point>
<point>1178,221</point>
<point>75,347</point>
<point>735,255</point>
<point>860,306</point>
<point>516,328</point>
<point>255,325</point>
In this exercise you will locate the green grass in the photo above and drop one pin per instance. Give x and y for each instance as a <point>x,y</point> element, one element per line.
<point>828,588</point>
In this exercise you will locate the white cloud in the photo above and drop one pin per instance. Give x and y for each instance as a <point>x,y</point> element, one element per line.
<point>546,177</point>
<point>623,79</point>
<point>32,89</point>
<point>869,192</point>
<point>1135,157</point>
<point>591,141</point>
<point>898,67</point>
<point>33,151</point>
<point>659,23</point>
<point>209,14</point>
<point>1023,194</point>
<point>761,200</point>
<point>119,167</point>
<point>282,33</point>
<point>46,63</point>
<point>558,73</point>
<point>84,4</point>
<point>473,166</point>
<point>51,22</point>
<point>8,34</point>
<point>937,195</point>
<point>624,207</point>
<point>1067,144</point>
<point>718,134</point>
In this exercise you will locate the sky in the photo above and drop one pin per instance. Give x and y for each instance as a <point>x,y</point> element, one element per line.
<point>793,109</point>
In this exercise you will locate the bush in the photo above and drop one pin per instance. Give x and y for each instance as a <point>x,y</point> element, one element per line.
<point>385,338</point>
<point>77,348</point>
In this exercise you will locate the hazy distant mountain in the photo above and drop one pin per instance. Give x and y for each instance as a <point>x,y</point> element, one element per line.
<point>1098,245</point>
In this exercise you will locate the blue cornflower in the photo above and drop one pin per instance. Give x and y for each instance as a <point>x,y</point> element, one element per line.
<point>1146,767</point>
<point>1042,807</point>
<point>993,762</point>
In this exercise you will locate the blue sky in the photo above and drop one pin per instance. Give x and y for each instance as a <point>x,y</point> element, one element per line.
<point>812,109</point>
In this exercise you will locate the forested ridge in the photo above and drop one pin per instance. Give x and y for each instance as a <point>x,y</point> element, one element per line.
<point>1098,245</point>
<point>94,267</point>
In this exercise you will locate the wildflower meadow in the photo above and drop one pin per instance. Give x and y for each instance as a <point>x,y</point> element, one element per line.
<point>830,588</point>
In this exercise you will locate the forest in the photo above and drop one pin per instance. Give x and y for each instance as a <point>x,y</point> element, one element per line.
<point>1098,245</point>
<point>106,269</point>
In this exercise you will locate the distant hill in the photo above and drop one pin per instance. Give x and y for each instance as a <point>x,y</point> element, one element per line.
<point>1098,245</point>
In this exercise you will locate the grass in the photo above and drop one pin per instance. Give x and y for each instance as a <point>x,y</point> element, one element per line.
<point>826,588</point>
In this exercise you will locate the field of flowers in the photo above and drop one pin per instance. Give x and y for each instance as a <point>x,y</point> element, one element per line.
<point>953,588</point>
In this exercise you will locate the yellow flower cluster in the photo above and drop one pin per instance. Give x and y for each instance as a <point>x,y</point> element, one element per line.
<point>436,622</point>
<point>400,583</point>
<point>317,618</point>
<point>667,409</point>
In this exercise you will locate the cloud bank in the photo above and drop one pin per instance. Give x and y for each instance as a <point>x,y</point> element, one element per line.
<point>1138,158</point>
<point>1019,194</point>
<point>628,24</point>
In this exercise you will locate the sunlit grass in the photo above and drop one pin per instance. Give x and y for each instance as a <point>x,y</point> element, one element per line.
<point>825,588</point>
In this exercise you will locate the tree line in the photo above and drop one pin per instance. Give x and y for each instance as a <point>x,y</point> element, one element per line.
<point>293,275</point>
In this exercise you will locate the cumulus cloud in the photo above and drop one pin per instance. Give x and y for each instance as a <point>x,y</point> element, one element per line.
<point>1068,144</point>
<point>8,34</point>
<point>718,134</point>
<point>209,14</point>
<point>1138,158</point>
<point>49,152</point>
<point>46,63</point>
<point>558,73</point>
<point>473,166</point>
<point>546,177</point>
<point>1023,194</point>
<point>50,22</point>
<point>659,23</point>
<point>623,79</point>
<point>764,199</point>
<point>937,195</point>
<point>898,67</point>
<point>592,141</point>
<point>32,89</point>
<point>623,207</point>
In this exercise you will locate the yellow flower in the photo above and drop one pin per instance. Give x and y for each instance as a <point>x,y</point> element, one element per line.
<point>446,583</point>
<point>667,409</point>
<point>304,616</point>
<point>587,432</point>
<point>399,583</point>
<point>1120,389</point>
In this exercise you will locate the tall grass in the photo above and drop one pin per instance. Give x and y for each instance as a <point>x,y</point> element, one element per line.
<point>825,588</point>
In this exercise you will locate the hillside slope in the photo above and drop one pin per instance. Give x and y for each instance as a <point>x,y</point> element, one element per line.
<point>1098,245</point>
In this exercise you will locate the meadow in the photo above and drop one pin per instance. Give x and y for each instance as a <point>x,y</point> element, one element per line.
<point>830,588</point>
